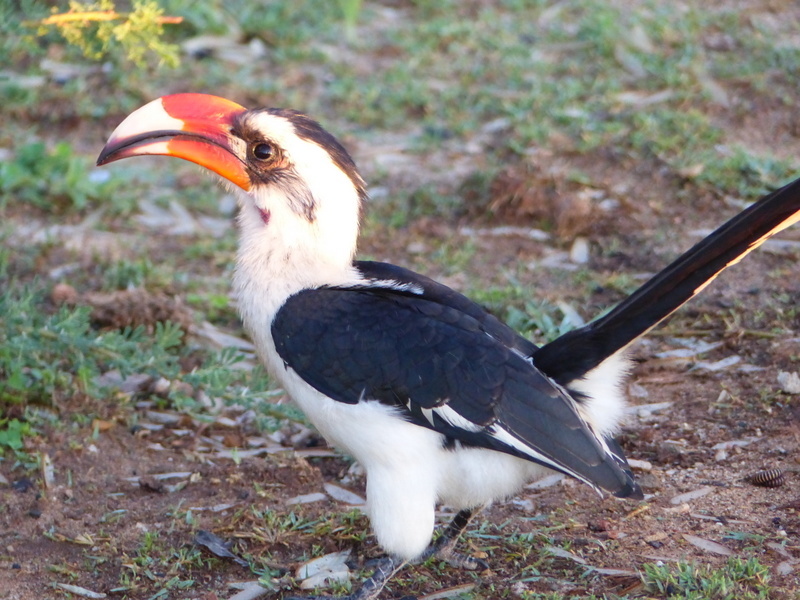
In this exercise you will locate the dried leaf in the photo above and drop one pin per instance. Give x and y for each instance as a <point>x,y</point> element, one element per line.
<point>161,476</point>
<point>545,482</point>
<point>84,539</point>
<point>217,546</point>
<point>707,545</point>
<point>639,98</point>
<point>80,591</point>
<point>450,592</point>
<point>561,553</point>
<point>693,495</point>
<point>324,570</point>
<point>216,508</point>
<point>728,444</point>
<point>307,498</point>
<point>250,591</point>
<point>644,411</point>
<point>342,495</point>
<point>692,348</point>
<point>238,453</point>
<point>163,418</point>
<point>718,365</point>
<point>220,339</point>
<point>506,231</point>
<point>615,572</point>
<point>316,453</point>
<point>780,549</point>
<point>48,471</point>
<point>785,567</point>
<point>101,425</point>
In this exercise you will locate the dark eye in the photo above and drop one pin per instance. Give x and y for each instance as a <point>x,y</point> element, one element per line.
<point>263,151</point>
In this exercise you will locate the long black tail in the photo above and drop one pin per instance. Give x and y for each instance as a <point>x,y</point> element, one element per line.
<point>576,353</point>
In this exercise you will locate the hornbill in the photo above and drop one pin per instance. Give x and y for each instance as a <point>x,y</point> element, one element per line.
<point>435,397</point>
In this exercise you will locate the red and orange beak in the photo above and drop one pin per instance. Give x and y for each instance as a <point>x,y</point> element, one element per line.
<point>195,127</point>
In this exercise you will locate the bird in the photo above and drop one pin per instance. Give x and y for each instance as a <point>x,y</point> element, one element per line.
<point>437,399</point>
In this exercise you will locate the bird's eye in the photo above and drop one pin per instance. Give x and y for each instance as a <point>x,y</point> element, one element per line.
<point>263,151</point>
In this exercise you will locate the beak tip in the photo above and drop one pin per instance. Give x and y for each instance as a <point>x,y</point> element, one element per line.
<point>107,153</point>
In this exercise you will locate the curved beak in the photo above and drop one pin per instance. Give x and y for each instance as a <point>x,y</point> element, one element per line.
<point>194,127</point>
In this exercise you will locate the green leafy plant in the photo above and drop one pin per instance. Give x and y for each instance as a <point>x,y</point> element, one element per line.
<point>44,357</point>
<point>12,433</point>
<point>54,179</point>
<point>738,579</point>
<point>98,30</point>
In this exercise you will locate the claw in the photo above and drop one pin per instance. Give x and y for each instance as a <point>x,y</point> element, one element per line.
<point>372,587</point>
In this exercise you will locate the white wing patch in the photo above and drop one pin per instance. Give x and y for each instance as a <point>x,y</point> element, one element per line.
<point>508,439</point>
<point>451,417</point>
<point>391,284</point>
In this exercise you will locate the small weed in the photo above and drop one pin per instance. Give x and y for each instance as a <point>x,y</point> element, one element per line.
<point>158,564</point>
<point>12,434</point>
<point>744,175</point>
<point>218,251</point>
<point>127,274</point>
<point>285,27</point>
<point>750,541</point>
<point>738,579</point>
<point>216,307</point>
<point>538,320</point>
<point>431,201</point>
<point>53,179</point>
<point>64,570</point>
<point>45,357</point>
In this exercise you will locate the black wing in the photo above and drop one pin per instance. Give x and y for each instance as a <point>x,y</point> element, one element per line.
<point>380,273</point>
<point>441,366</point>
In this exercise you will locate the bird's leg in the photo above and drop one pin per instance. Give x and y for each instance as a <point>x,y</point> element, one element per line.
<point>372,587</point>
<point>444,547</point>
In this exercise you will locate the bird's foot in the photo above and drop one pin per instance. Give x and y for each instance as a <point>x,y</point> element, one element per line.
<point>371,588</point>
<point>444,547</point>
<point>459,560</point>
<point>447,553</point>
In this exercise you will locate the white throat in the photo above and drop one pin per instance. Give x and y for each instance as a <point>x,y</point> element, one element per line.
<point>282,252</point>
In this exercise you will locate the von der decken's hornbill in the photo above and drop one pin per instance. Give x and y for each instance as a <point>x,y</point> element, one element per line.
<point>436,398</point>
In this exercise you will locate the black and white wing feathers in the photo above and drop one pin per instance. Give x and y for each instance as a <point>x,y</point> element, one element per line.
<point>446,364</point>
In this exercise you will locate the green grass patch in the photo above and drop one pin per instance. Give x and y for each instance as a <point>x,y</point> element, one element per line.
<point>54,179</point>
<point>46,357</point>
<point>737,579</point>
<point>161,566</point>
